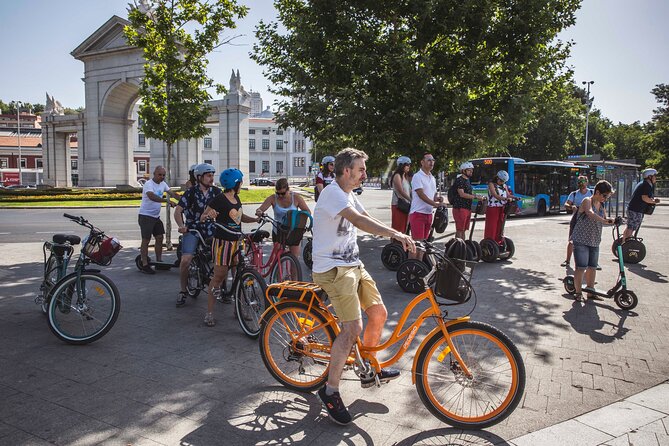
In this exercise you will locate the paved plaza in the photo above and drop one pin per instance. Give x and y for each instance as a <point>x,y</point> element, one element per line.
<point>161,377</point>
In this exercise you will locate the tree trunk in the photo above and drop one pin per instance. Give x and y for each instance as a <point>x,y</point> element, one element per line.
<point>168,219</point>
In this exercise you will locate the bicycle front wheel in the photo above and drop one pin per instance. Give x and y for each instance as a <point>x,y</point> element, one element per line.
<point>83,309</point>
<point>287,268</point>
<point>489,395</point>
<point>295,344</point>
<point>250,301</point>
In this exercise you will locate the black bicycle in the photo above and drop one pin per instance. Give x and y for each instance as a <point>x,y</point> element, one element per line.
<point>200,269</point>
<point>81,306</point>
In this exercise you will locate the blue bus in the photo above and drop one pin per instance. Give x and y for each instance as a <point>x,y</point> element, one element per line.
<point>543,185</point>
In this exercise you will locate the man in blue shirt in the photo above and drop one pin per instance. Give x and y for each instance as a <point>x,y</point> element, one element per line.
<point>573,202</point>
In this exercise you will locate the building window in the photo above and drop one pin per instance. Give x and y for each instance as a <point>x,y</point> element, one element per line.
<point>252,131</point>
<point>279,132</point>
<point>75,179</point>
<point>265,132</point>
<point>4,163</point>
<point>207,143</point>
<point>265,144</point>
<point>208,162</point>
<point>141,139</point>
<point>252,144</point>
<point>265,167</point>
<point>298,162</point>
<point>74,164</point>
<point>252,166</point>
<point>279,167</point>
<point>38,163</point>
<point>24,163</point>
<point>141,166</point>
<point>140,123</point>
<point>279,144</point>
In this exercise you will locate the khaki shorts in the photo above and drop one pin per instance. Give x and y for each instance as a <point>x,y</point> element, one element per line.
<point>350,289</point>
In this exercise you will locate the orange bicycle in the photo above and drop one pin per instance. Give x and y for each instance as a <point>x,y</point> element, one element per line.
<point>468,374</point>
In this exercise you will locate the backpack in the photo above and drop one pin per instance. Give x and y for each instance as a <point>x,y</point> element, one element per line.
<point>450,282</point>
<point>295,223</point>
<point>440,221</point>
<point>452,193</point>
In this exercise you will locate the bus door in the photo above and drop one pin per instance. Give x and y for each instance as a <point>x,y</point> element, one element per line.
<point>554,188</point>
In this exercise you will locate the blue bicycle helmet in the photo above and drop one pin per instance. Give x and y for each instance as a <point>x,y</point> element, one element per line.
<point>230,178</point>
<point>328,159</point>
<point>203,168</point>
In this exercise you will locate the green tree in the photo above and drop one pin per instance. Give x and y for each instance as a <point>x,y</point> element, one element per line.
<point>10,107</point>
<point>658,131</point>
<point>176,37</point>
<point>403,76</point>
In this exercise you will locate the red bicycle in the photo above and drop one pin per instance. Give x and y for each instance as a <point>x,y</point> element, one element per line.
<point>281,265</point>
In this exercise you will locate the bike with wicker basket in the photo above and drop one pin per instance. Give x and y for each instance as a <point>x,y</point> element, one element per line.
<point>468,374</point>
<point>81,306</point>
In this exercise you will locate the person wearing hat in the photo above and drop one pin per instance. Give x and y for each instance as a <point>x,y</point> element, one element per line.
<point>462,205</point>
<point>642,197</point>
<point>401,184</point>
<point>499,194</point>
<point>325,175</point>
<point>573,202</point>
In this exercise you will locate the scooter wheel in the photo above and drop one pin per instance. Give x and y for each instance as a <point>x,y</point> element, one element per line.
<point>392,256</point>
<point>474,250</point>
<point>489,250</point>
<point>410,275</point>
<point>633,251</point>
<point>626,300</point>
<point>569,285</point>
<point>138,261</point>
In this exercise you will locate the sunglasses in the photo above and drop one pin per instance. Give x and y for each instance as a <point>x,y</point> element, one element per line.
<point>281,194</point>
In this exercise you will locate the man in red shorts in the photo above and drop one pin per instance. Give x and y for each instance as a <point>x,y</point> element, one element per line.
<point>462,205</point>
<point>423,199</point>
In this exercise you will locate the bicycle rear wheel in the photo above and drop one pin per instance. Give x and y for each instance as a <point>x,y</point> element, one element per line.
<point>250,301</point>
<point>287,268</point>
<point>490,395</point>
<point>82,310</point>
<point>295,345</point>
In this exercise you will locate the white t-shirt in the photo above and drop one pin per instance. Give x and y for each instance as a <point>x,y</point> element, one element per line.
<point>424,181</point>
<point>148,206</point>
<point>335,238</point>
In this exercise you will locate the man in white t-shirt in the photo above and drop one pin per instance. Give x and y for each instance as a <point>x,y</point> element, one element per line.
<point>339,272</point>
<point>149,216</point>
<point>423,199</point>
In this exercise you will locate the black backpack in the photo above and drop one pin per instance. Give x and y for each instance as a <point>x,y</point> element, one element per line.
<point>452,193</point>
<point>440,221</point>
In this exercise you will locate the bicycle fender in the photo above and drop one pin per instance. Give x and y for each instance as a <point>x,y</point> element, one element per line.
<point>436,330</point>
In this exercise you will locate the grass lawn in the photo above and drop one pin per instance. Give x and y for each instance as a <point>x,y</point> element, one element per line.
<point>247,196</point>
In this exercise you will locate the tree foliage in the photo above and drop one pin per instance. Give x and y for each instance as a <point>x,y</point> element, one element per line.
<point>403,76</point>
<point>10,107</point>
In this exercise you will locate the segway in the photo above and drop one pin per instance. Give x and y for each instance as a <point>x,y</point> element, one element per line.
<point>473,246</point>
<point>393,254</point>
<point>625,299</point>
<point>634,251</point>
<point>491,250</point>
<point>410,272</point>
<point>161,266</point>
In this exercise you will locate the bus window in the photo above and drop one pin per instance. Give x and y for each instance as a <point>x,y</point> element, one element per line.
<point>485,170</point>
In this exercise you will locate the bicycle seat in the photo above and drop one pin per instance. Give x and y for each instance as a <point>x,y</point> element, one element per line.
<point>259,236</point>
<point>65,238</point>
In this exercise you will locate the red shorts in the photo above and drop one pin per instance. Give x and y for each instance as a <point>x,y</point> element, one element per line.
<point>461,217</point>
<point>399,219</point>
<point>420,225</point>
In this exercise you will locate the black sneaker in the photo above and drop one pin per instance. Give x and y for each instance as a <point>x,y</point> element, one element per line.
<point>385,376</point>
<point>335,407</point>
<point>146,269</point>
<point>181,299</point>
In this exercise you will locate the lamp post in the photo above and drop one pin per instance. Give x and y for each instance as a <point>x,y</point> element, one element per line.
<point>18,132</point>
<point>588,105</point>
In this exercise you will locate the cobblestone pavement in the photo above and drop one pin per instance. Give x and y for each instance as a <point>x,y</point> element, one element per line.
<point>161,377</point>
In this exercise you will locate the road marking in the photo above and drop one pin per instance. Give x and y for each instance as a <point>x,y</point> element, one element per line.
<point>5,233</point>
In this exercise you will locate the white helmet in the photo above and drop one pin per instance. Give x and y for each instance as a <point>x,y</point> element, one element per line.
<point>403,160</point>
<point>328,159</point>
<point>466,165</point>
<point>648,173</point>
<point>503,175</point>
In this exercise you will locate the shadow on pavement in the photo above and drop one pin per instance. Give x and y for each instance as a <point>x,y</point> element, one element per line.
<point>642,270</point>
<point>585,319</point>
<point>453,437</point>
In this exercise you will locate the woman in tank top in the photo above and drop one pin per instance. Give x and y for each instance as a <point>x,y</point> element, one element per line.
<point>400,182</point>
<point>281,202</point>
<point>587,236</point>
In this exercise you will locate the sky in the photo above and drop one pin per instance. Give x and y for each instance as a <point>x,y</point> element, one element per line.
<point>618,44</point>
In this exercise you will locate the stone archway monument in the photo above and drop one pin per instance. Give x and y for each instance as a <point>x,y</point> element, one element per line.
<point>113,71</point>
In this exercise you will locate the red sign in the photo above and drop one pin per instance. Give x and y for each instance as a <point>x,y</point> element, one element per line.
<point>10,178</point>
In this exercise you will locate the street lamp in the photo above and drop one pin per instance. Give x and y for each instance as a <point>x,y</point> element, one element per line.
<point>18,128</point>
<point>588,105</point>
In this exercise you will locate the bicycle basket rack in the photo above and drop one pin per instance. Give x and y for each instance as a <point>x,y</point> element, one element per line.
<point>453,279</point>
<point>101,249</point>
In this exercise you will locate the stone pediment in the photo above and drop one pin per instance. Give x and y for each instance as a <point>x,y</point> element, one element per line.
<point>106,39</point>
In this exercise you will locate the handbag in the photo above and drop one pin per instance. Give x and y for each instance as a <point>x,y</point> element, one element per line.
<point>403,205</point>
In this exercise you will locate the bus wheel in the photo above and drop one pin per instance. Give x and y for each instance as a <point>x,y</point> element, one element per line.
<point>541,208</point>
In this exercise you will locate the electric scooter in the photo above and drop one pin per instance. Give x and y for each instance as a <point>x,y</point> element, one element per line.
<point>625,299</point>
<point>161,266</point>
<point>491,250</point>
<point>634,251</point>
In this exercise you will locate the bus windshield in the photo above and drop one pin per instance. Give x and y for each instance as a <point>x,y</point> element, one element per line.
<point>486,169</point>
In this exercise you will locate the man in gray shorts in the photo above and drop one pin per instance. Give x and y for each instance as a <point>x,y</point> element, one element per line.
<point>149,216</point>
